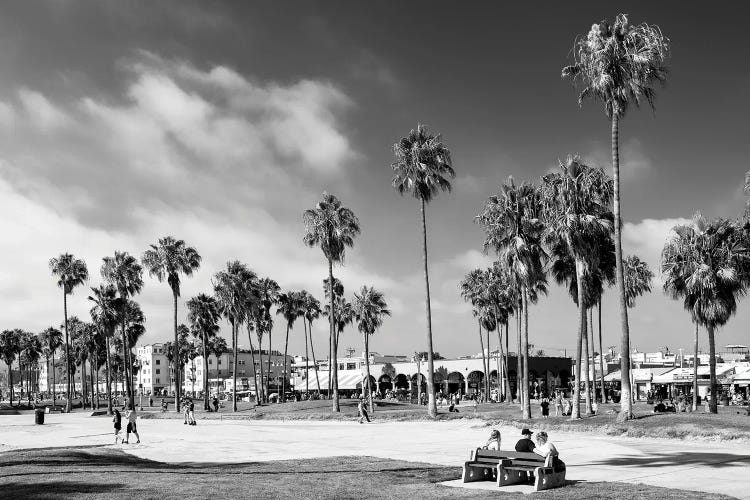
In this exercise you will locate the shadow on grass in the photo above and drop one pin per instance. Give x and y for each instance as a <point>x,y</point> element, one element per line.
<point>653,460</point>
<point>61,489</point>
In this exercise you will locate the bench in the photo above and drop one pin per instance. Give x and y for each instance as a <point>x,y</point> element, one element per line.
<point>513,467</point>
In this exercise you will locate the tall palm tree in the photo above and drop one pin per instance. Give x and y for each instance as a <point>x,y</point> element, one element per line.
<point>423,168</point>
<point>290,307</point>
<point>337,291</point>
<point>344,317</point>
<point>710,277</point>
<point>105,315</point>
<point>51,340</point>
<point>95,343</point>
<point>80,336</point>
<point>204,316</point>
<point>576,208</point>
<point>620,64</point>
<point>513,228</point>
<point>126,274</point>
<point>369,308</point>
<point>473,289</point>
<point>216,346</point>
<point>230,290</point>
<point>168,260</point>
<point>268,295</point>
<point>10,348</point>
<point>70,273</point>
<point>637,281</point>
<point>332,227</point>
<point>312,312</point>
<point>502,299</point>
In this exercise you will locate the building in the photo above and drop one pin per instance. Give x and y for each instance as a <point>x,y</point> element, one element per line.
<point>458,375</point>
<point>155,376</point>
<point>220,375</point>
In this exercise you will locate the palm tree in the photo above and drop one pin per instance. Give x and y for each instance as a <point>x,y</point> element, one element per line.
<point>637,280</point>
<point>710,276</point>
<point>10,347</point>
<point>204,317</point>
<point>70,273</point>
<point>51,340</point>
<point>576,208</point>
<point>230,290</point>
<point>369,308</point>
<point>267,295</point>
<point>344,317</point>
<point>502,298</point>
<point>290,307</point>
<point>217,346</point>
<point>126,274</point>
<point>337,292</point>
<point>80,336</point>
<point>105,315</point>
<point>620,65</point>
<point>332,227</point>
<point>473,289</point>
<point>168,260</point>
<point>423,168</point>
<point>513,228</point>
<point>312,312</point>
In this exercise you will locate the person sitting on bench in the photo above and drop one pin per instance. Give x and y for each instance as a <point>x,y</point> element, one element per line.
<point>493,443</point>
<point>545,448</point>
<point>525,444</point>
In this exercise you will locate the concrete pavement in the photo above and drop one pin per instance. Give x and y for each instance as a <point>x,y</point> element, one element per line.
<point>712,467</point>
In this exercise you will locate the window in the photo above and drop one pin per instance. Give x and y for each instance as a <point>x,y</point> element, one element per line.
<point>218,361</point>
<point>158,371</point>
<point>241,361</point>
<point>351,366</point>
<point>158,361</point>
<point>210,361</point>
<point>341,366</point>
<point>158,380</point>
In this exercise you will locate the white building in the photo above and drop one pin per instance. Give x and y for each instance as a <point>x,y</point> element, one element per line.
<point>154,377</point>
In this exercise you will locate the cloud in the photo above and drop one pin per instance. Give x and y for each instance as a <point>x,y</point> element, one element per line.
<point>646,240</point>
<point>634,163</point>
<point>42,114</point>
<point>471,259</point>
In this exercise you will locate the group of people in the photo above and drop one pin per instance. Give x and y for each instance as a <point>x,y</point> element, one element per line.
<point>543,447</point>
<point>130,417</point>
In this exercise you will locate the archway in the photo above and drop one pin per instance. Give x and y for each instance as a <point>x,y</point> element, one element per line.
<point>385,382</point>
<point>476,382</point>
<point>513,381</point>
<point>402,382</point>
<point>373,385</point>
<point>456,383</point>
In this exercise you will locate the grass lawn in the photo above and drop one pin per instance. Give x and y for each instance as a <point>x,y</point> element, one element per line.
<point>107,472</point>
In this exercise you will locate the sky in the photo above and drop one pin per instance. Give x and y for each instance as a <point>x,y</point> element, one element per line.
<point>220,122</point>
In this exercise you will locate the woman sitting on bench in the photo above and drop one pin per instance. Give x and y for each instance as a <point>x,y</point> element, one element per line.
<point>545,447</point>
<point>493,443</point>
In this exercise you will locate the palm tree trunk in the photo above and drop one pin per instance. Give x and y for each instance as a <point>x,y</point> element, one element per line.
<point>252,360</point>
<point>508,394</point>
<point>576,410</point>
<point>262,372</point>
<point>367,365</point>
<point>695,370</point>
<point>205,373</point>
<point>307,362</point>
<point>592,352</point>
<point>500,355</point>
<point>330,365</point>
<point>519,360</point>
<point>487,385</point>
<point>334,374</point>
<point>176,357</point>
<point>587,373</point>
<point>268,382</point>
<point>46,358</point>
<point>484,361</point>
<point>432,404</point>
<point>68,404</point>
<point>525,347</point>
<point>626,405</point>
<point>109,378</point>
<point>126,376</point>
<point>601,348</point>
<point>234,367</point>
<point>282,396</point>
<point>96,376</point>
<point>312,351</point>
<point>713,403</point>
<point>54,393</point>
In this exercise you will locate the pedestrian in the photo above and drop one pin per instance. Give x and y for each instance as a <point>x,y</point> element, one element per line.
<point>362,411</point>
<point>131,416</point>
<point>544,404</point>
<point>150,401</point>
<point>558,404</point>
<point>216,404</point>
<point>117,419</point>
<point>191,412</point>
<point>185,412</point>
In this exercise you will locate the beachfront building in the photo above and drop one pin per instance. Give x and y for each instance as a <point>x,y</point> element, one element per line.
<point>220,378</point>
<point>464,375</point>
<point>155,376</point>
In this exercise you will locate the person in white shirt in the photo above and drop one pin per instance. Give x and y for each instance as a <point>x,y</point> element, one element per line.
<point>545,446</point>
<point>493,443</point>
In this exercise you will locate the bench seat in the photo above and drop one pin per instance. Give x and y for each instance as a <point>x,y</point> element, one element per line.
<point>513,467</point>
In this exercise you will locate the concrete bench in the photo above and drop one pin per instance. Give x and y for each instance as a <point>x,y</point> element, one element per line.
<point>513,467</point>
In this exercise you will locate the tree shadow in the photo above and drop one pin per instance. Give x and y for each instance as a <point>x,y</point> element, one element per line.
<point>653,460</point>
<point>60,489</point>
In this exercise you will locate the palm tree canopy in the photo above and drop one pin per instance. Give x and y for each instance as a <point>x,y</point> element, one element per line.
<point>638,279</point>
<point>311,306</point>
<point>575,208</point>
<point>70,272</point>
<point>423,165</point>
<point>51,340</point>
<point>107,310</point>
<point>344,313</point>
<point>330,226</point>
<point>369,308</point>
<point>170,258</point>
<point>232,288</point>
<point>290,306</point>
<point>10,345</point>
<point>204,314</point>
<point>216,345</point>
<point>473,286</point>
<point>702,263</point>
<point>124,272</point>
<point>619,64</point>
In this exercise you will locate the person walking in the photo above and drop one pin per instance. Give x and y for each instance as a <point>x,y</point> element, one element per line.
<point>362,411</point>
<point>131,416</point>
<point>544,405</point>
<point>117,419</point>
<point>185,411</point>
<point>191,412</point>
<point>558,404</point>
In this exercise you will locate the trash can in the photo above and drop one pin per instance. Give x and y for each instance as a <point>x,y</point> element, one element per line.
<point>39,416</point>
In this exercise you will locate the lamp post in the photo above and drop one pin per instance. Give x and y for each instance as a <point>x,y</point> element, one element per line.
<point>417,358</point>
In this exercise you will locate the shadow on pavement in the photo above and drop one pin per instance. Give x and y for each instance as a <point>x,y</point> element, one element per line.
<point>60,488</point>
<point>653,460</point>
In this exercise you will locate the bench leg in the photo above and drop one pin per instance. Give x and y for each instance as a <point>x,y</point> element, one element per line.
<point>506,477</point>
<point>546,478</point>
<point>471,474</point>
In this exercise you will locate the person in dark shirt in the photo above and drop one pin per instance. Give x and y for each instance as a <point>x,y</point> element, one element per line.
<point>525,444</point>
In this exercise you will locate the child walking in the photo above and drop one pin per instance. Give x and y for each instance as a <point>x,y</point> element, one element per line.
<point>117,419</point>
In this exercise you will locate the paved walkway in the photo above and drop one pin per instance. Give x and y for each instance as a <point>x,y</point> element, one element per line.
<point>694,465</point>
